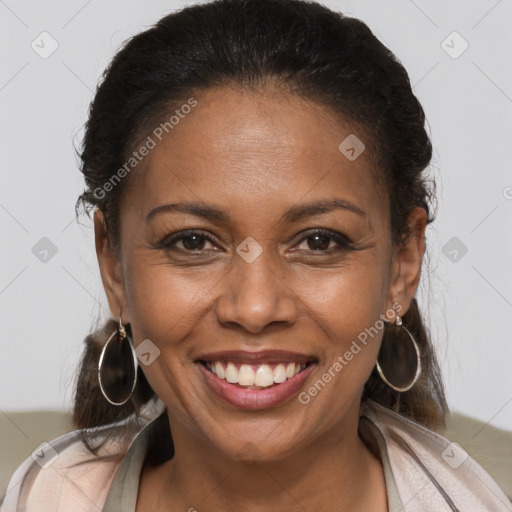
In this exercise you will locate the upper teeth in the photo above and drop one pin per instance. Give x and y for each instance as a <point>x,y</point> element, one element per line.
<point>258,375</point>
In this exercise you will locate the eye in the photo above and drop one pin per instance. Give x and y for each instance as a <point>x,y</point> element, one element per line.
<point>191,241</point>
<point>320,240</point>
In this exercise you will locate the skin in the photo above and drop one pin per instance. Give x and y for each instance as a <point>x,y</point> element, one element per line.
<point>254,155</point>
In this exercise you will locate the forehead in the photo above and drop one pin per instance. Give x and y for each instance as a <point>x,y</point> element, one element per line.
<point>252,151</point>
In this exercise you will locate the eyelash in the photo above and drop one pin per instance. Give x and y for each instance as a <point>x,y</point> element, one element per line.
<point>344,243</point>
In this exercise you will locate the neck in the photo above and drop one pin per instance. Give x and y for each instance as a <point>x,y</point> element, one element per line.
<point>335,471</point>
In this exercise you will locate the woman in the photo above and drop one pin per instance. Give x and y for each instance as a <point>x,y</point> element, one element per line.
<point>256,171</point>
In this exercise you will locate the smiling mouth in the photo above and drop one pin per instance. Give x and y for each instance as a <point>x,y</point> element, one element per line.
<point>254,376</point>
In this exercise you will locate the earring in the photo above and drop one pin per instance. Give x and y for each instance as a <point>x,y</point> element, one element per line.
<point>117,367</point>
<point>399,363</point>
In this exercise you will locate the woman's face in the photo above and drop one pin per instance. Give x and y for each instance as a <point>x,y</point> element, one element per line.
<point>255,276</point>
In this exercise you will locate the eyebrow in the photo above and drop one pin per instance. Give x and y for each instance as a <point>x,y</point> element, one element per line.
<point>294,214</point>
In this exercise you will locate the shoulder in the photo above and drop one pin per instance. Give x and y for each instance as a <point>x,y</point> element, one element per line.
<point>65,475</point>
<point>431,471</point>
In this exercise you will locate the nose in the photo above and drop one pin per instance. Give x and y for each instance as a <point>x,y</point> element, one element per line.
<point>254,296</point>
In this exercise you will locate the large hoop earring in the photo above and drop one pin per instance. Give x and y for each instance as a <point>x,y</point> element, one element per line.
<point>117,367</point>
<point>399,361</point>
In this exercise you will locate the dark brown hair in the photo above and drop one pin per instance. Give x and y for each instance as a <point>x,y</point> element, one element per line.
<point>305,49</point>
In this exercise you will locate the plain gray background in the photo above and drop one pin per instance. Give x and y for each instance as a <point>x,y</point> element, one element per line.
<point>48,307</point>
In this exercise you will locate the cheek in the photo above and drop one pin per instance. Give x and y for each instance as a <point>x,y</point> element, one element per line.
<point>345,301</point>
<point>166,302</point>
<point>336,309</point>
<point>349,306</point>
<point>352,306</point>
<point>160,299</point>
<point>161,306</point>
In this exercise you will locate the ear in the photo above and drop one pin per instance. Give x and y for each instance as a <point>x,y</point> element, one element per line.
<point>406,262</point>
<point>110,269</point>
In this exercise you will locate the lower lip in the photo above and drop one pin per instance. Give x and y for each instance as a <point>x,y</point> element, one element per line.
<point>252,399</point>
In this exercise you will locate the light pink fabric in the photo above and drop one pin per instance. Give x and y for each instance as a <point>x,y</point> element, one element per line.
<point>411,446</point>
<point>77,481</point>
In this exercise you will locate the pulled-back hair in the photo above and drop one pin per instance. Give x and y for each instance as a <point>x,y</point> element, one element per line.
<point>304,49</point>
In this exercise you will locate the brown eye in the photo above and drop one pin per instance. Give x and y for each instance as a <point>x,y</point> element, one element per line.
<point>320,241</point>
<point>191,241</point>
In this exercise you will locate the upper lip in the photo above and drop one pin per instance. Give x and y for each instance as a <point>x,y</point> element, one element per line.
<point>259,357</point>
